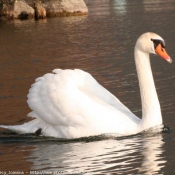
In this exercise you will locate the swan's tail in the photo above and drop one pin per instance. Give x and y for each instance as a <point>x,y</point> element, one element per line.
<point>38,127</point>
<point>31,127</point>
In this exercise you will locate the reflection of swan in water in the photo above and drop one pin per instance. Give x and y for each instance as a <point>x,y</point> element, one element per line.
<point>119,6</point>
<point>152,152</point>
<point>72,104</point>
<point>130,155</point>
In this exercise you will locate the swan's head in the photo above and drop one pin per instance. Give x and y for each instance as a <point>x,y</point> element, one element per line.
<point>153,43</point>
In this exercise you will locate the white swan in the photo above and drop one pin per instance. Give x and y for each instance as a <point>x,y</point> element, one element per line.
<point>72,104</point>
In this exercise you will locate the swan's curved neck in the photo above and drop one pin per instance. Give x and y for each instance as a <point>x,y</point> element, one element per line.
<point>151,113</point>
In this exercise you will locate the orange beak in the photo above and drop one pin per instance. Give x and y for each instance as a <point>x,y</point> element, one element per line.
<point>162,53</point>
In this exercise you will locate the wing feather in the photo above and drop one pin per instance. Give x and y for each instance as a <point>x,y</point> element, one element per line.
<point>70,99</point>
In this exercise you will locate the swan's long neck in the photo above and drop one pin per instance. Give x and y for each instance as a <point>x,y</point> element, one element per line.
<point>151,113</point>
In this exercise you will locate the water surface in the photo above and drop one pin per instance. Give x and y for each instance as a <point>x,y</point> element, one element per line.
<point>101,43</point>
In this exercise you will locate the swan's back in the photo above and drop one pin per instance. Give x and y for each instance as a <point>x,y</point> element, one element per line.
<point>72,103</point>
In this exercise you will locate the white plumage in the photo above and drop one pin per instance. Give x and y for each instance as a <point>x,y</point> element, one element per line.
<point>72,104</point>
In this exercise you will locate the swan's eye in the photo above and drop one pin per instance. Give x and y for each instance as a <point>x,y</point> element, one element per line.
<point>157,42</point>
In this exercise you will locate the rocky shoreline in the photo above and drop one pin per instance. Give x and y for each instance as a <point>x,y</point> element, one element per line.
<point>40,9</point>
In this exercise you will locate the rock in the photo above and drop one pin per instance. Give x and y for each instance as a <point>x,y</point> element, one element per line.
<point>40,11</point>
<point>6,9</point>
<point>59,8</point>
<point>22,10</point>
<point>15,9</point>
<point>26,9</point>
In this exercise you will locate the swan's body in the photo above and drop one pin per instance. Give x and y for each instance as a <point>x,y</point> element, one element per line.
<point>72,104</point>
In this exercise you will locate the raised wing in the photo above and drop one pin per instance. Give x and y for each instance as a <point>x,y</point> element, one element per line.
<point>71,104</point>
<point>91,87</point>
<point>55,98</point>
